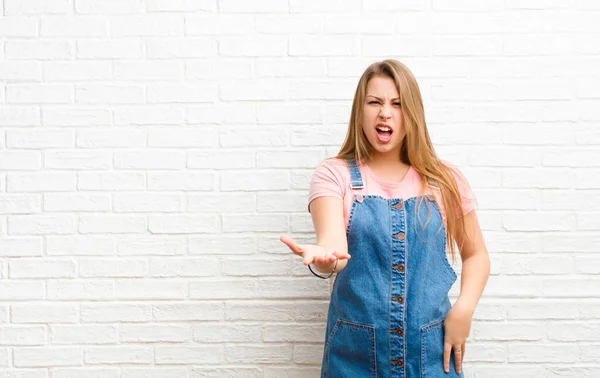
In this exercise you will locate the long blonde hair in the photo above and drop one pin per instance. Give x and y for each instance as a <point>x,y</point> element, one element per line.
<point>416,148</point>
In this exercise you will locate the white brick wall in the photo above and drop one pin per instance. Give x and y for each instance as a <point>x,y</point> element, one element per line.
<point>152,152</point>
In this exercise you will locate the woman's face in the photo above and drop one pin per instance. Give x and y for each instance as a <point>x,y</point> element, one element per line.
<point>382,116</point>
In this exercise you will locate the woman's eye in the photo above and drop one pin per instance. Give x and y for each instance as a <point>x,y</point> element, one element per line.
<point>373,102</point>
<point>396,104</point>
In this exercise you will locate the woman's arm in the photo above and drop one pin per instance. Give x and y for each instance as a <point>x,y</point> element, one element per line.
<point>328,220</point>
<point>475,263</point>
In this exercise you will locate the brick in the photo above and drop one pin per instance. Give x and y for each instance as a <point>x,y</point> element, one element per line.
<point>20,116</point>
<point>314,6</point>
<point>182,5</point>
<point>78,26</point>
<point>39,93</point>
<point>35,268</point>
<point>80,290</point>
<point>119,355</point>
<point>257,137</point>
<point>40,138</point>
<point>47,356</point>
<point>67,116</point>
<point>111,181</point>
<point>151,289</point>
<point>183,224</point>
<point>75,159</point>
<point>218,24</point>
<point>115,312</point>
<point>16,7</point>
<point>221,160</point>
<point>64,202</point>
<point>109,6</point>
<point>84,334</point>
<point>200,245</point>
<point>155,24</point>
<point>201,354</point>
<point>44,50</point>
<point>254,181</point>
<point>147,203</point>
<point>184,267</point>
<point>90,224</point>
<point>154,333</point>
<point>149,159</point>
<point>186,181</point>
<point>320,46</point>
<point>20,71</point>
<point>267,353</point>
<point>260,6</point>
<point>157,245</point>
<point>85,373</point>
<point>76,71</point>
<point>101,268</point>
<point>176,48</point>
<point>188,311</point>
<point>148,70</point>
<point>111,138</point>
<point>539,352</point>
<point>221,202</point>
<point>44,313</point>
<point>232,333</point>
<point>154,372</point>
<point>21,246</point>
<point>122,48</point>
<point>20,203</point>
<point>41,224</point>
<point>195,137</point>
<point>23,335</point>
<point>258,90</point>
<point>87,245</point>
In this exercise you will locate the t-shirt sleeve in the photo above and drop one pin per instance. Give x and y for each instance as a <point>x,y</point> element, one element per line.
<point>327,181</point>
<point>469,202</point>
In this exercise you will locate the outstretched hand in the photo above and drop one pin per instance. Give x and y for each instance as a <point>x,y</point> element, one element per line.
<point>313,253</point>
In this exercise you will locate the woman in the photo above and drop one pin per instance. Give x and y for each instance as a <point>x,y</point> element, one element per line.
<point>385,211</point>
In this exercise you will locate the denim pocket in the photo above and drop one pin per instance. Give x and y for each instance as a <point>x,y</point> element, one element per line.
<point>350,351</point>
<point>432,352</point>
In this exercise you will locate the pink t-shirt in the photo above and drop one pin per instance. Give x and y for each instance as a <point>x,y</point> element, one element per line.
<point>332,179</point>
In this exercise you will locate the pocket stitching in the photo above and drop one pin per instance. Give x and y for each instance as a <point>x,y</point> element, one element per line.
<point>368,328</point>
<point>424,329</point>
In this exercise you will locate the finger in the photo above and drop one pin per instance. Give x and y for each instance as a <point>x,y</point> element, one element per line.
<point>291,243</point>
<point>341,255</point>
<point>320,259</point>
<point>447,349</point>
<point>457,358</point>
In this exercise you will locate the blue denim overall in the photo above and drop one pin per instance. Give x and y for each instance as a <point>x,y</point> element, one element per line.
<point>389,303</point>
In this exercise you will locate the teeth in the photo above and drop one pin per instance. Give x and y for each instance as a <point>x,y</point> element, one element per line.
<point>383,128</point>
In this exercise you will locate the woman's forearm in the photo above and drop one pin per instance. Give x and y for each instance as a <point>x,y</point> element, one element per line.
<point>474,276</point>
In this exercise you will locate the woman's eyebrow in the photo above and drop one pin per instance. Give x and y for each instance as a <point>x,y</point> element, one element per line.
<point>397,98</point>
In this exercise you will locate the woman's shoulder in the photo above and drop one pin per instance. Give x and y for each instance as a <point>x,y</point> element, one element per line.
<point>334,165</point>
<point>461,180</point>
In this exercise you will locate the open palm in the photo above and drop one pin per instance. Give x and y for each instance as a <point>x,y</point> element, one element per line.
<point>313,253</point>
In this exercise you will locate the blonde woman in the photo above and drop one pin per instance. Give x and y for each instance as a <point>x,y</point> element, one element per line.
<point>386,210</point>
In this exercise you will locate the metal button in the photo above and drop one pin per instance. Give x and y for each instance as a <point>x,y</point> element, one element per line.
<point>398,299</point>
<point>399,205</point>
<point>431,197</point>
<point>359,197</point>
<point>398,363</point>
<point>399,267</point>
<point>400,236</point>
<point>397,331</point>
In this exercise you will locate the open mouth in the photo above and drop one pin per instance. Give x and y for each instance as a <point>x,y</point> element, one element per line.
<point>384,133</point>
